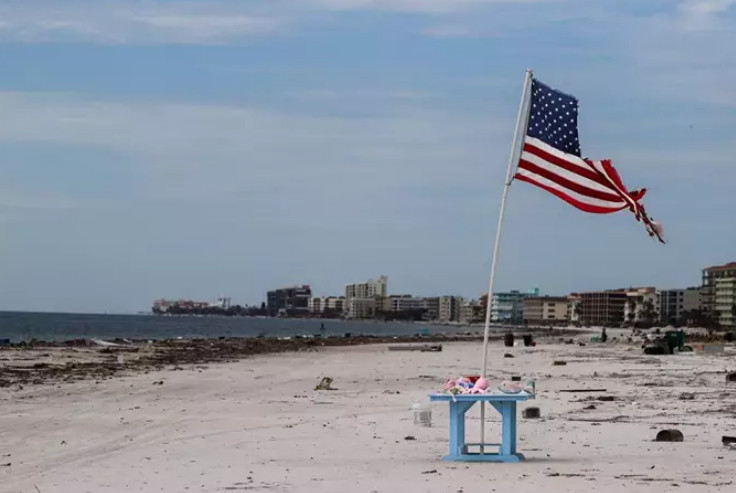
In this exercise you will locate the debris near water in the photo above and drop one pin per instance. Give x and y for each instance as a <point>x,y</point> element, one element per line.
<point>669,436</point>
<point>325,384</point>
<point>530,413</point>
<point>583,390</point>
<point>425,348</point>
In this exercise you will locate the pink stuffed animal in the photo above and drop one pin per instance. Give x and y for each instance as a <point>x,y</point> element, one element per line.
<point>480,387</point>
<point>481,384</point>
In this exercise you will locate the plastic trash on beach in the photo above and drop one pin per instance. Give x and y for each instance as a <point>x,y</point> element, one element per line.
<point>511,387</point>
<point>422,413</point>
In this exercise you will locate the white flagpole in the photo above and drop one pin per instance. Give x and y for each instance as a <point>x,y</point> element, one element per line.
<point>521,122</point>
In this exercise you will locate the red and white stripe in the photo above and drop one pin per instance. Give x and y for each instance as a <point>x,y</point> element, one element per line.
<point>591,186</point>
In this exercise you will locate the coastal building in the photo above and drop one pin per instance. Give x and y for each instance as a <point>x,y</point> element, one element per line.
<point>289,301</point>
<point>403,303</point>
<point>674,304</point>
<point>545,310</point>
<point>472,312</point>
<point>431,306</point>
<point>449,308</point>
<point>507,307</point>
<point>718,293</point>
<point>369,293</point>
<point>315,304</point>
<point>166,306</point>
<point>642,306</point>
<point>332,306</point>
<point>574,310</point>
<point>603,307</point>
<point>725,301</point>
<point>359,308</point>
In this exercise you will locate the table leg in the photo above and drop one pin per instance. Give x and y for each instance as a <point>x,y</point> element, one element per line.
<point>508,445</point>
<point>457,426</point>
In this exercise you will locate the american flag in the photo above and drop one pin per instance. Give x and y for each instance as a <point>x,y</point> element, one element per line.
<point>550,159</point>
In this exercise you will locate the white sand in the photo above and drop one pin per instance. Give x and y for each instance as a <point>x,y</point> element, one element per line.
<point>255,426</point>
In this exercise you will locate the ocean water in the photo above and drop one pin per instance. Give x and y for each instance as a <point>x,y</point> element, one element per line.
<point>23,326</point>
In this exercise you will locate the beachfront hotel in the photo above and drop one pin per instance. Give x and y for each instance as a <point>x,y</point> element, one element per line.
<point>364,298</point>
<point>719,293</point>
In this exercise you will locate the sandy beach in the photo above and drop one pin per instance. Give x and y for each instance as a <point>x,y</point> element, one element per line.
<point>258,424</point>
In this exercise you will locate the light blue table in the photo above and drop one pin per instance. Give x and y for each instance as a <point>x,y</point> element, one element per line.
<point>504,404</point>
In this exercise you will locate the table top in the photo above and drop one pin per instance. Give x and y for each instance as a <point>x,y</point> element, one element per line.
<point>492,397</point>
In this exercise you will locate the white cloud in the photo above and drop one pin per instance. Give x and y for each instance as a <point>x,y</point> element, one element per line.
<point>209,27</point>
<point>703,15</point>
<point>135,22</point>
<point>706,6</point>
<point>202,21</point>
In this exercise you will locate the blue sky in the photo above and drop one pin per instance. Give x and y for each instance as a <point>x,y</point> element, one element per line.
<point>200,148</point>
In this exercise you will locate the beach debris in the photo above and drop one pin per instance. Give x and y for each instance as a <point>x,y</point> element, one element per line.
<point>687,396</point>
<point>671,435</point>
<point>606,398</point>
<point>158,382</point>
<point>511,387</point>
<point>731,377</point>
<point>325,384</point>
<point>100,342</point>
<point>559,363</point>
<point>583,390</point>
<point>508,355</point>
<point>508,339</point>
<point>713,348</point>
<point>530,413</point>
<point>431,471</point>
<point>422,414</point>
<point>727,440</point>
<point>7,464</point>
<point>590,407</point>
<point>410,438</point>
<point>425,348</point>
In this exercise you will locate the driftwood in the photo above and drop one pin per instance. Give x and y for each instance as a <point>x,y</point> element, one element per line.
<point>424,348</point>
<point>583,390</point>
